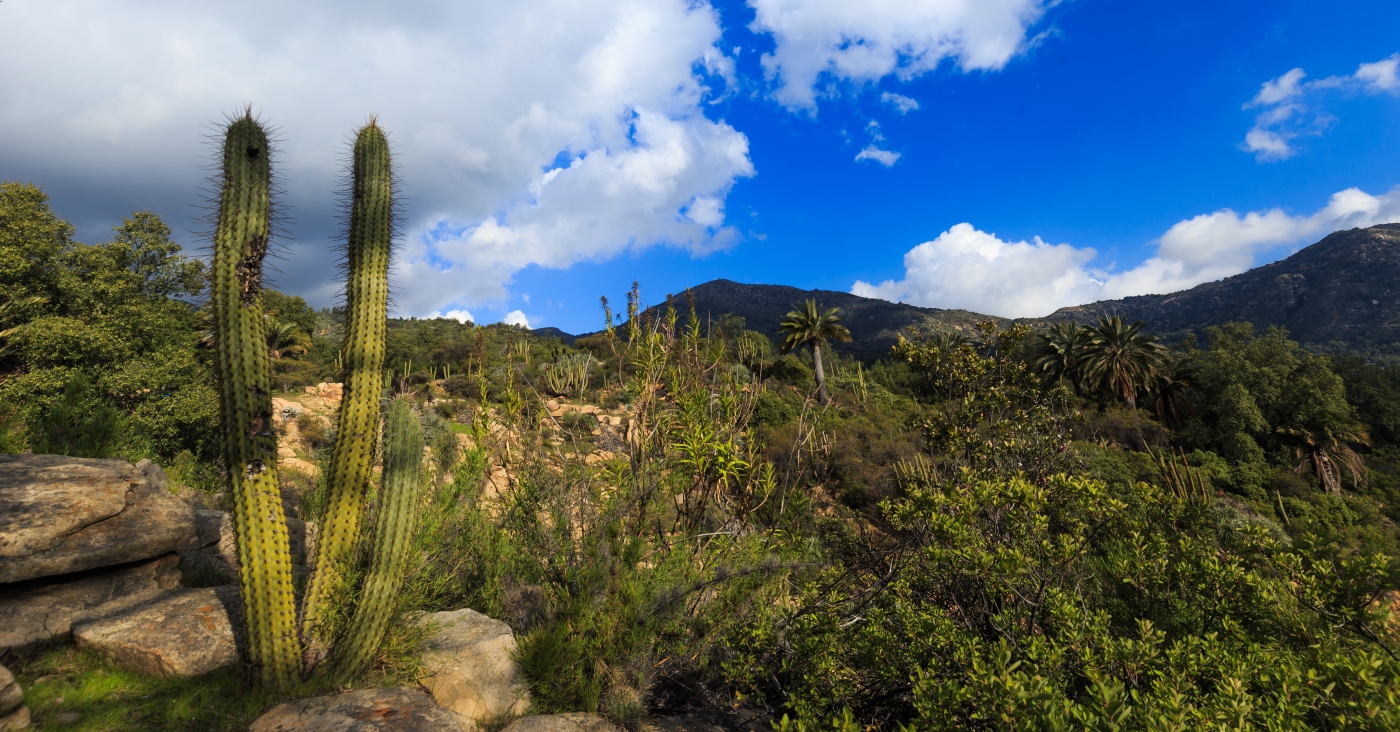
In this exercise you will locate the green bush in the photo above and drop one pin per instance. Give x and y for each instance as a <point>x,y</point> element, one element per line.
<point>792,371</point>
<point>80,424</point>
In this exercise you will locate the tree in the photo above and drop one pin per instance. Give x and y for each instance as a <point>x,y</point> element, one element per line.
<point>1121,359</point>
<point>284,339</point>
<point>813,326</point>
<point>1058,354</point>
<point>1173,388</point>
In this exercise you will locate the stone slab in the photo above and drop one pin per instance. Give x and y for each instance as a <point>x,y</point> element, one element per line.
<point>574,722</point>
<point>60,515</point>
<point>470,667</point>
<point>37,610</point>
<point>362,710</point>
<point>184,633</point>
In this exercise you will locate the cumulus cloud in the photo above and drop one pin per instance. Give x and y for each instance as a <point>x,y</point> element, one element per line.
<point>886,158</point>
<point>540,132</point>
<point>975,270</point>
<point>461,316</point>
<point>1289,106</point>
<point>904,104</point>
<point>865,42</point>
<point>515,317</point>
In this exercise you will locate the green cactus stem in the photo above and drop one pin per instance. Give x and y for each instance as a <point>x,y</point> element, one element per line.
<point>250,446</point>
<point>393,537</point>
<point>366,301</point>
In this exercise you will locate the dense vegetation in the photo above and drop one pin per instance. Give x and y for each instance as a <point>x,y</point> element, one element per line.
<point>1078,528</point>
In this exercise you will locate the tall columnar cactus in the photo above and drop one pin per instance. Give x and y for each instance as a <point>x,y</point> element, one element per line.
<point>393,536</point>
<point>250,446</point>
<point>366,301</point>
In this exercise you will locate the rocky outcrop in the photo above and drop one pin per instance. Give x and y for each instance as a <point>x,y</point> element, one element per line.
<point>362,710</point>
<point>575,722</point>
<point>60,515</point>
<point>470,668</point>
<point>38,610</point>
<point>185,633</point>
<point>13,713</point>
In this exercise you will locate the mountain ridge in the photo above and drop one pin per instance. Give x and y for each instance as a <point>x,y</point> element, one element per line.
<point>1341,293</point>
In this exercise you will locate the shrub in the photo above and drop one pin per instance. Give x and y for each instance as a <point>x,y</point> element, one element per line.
<point>790,370</point>
<point>82,423</point>
<point>313,431</point>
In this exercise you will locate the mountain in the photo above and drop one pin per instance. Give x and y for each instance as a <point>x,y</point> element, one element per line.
<point>1342,293</point>
<point>873,323</point>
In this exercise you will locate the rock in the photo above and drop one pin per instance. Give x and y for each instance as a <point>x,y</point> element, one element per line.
<point>470,667</point>
<point>574,722</point>
<point>40,609</point>
<point>330,392</point>
<point>185,633</point>
<point>10,695</point>
<point>362,710</point>
<point>154,475</point>
<point>13,713</point>
<point>199,499</point>
<point>60,515</point>
<point>216,536</point>
<point>18,719</point>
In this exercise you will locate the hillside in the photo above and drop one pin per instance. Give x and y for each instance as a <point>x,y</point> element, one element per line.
<point>873,323</point>
<point>1342,293</point>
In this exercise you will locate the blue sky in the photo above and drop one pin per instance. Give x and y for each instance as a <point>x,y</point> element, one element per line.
<point>554,151</point>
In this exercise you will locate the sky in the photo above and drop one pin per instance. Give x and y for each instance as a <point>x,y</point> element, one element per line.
<point>1005,156</point>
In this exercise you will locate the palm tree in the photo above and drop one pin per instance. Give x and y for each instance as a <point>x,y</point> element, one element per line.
<point>1327,447</point>
<point>812,326</point>
<point>1058,354</point>
<point>948,341</point>
<point>285,338</point>
<point>1122,359</point>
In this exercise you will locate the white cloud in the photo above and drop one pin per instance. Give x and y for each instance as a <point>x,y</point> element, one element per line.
<point>866,41</point>
<point>886,158</point>
<point>971,269</point>
<point>515,317</point>
<point>1289,106</point>
<point>540,132</point>
<point>461,316</point>
<point>904,104</point>
<point>1381,76</point>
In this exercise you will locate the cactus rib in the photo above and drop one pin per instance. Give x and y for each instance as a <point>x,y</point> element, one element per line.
<point>250,446</point>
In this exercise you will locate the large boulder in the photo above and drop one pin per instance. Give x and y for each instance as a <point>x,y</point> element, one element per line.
<point>362,710</point>
<point>470,668</point>
<point>574,722</point>
<point>13,713</point>
<point>60,515</point>
<point>184,633</point>
<point>40,609</point>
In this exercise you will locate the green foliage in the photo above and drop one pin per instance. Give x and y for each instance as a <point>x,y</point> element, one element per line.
<point>790,370</point>
<point>988,413</point>
<point>80,424</point>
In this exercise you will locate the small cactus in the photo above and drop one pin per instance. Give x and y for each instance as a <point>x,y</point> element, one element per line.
<point>393,536</point>
<point>241,237</point>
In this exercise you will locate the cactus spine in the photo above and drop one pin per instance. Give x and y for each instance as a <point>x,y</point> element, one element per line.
<point>250,447</point>
<point>393,534</point>
<point>366,301</point>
